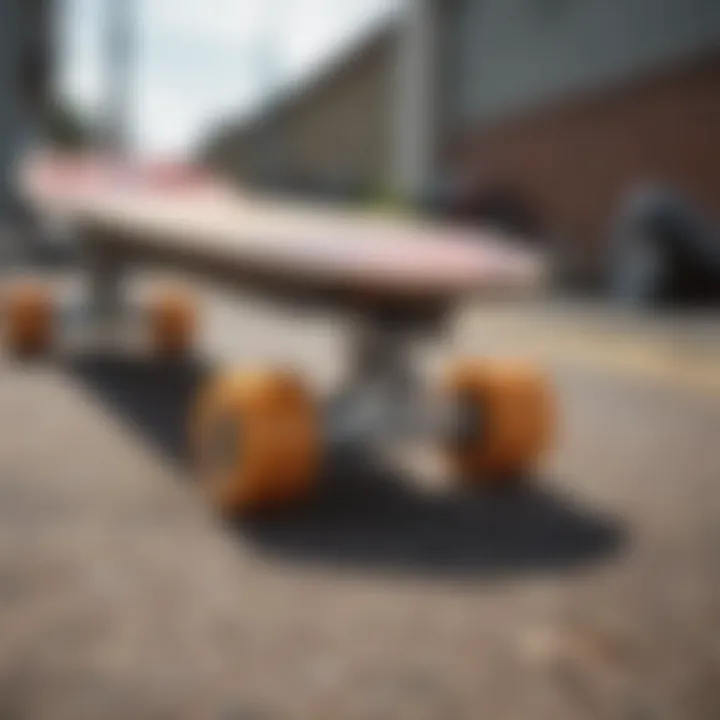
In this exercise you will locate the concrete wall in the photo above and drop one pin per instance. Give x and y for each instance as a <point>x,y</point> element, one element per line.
<point>24,47</point>
<point>10,111</point>
<point>336,129</point>
<point>506,56</point>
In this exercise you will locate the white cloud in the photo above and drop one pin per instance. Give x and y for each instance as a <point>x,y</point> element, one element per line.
<point>198,61</point>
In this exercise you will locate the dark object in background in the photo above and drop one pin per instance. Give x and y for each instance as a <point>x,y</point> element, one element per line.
<point>501,206</point>
<point>505,208</point>
<point>663,251</point>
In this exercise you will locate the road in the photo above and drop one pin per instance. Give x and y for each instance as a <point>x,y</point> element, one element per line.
<point>594,592</point>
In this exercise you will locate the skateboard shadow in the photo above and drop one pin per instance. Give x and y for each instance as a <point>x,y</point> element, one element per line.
<point>375,519</point>
<point>155,397</point>
<point>365,517</point>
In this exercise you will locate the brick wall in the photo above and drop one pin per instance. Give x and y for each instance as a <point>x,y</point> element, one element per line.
<point>574,160</point>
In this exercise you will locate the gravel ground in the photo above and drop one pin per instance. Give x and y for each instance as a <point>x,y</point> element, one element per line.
<point>593,593</point>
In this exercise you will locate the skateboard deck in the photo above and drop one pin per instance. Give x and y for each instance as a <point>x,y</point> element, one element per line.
<point>261,437</point>
<point>172,211</point>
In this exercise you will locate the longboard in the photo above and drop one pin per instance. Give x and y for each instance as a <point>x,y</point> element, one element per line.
<point>261,438</point>
<point>177,212</point>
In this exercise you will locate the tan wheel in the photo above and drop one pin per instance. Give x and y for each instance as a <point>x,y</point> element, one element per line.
<point>172,317</point>
<point>29,318</point>
<point>257,441</point>
<point>513,407</point>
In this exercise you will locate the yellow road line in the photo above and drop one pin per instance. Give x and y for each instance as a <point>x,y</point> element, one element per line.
<point>639,359</point>
<point>655,357</point>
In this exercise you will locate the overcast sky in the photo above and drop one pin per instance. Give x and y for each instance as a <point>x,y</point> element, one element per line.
<point>199,61</point>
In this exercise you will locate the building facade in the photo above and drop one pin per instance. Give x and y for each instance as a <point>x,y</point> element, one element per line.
<point>333,131</point>
<point>565,105</point>
<point>25,46</point>
<point>573,103</point>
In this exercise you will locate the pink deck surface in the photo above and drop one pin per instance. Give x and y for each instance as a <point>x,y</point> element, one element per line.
<point>176,207</point>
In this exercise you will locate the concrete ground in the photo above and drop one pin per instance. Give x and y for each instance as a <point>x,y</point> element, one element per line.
<point>592,593</point>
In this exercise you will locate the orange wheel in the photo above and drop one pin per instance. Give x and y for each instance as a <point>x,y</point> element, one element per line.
<point>514,406</point>
<point>173,321</point>
<point>29,318</point>
<point>257,441</point>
